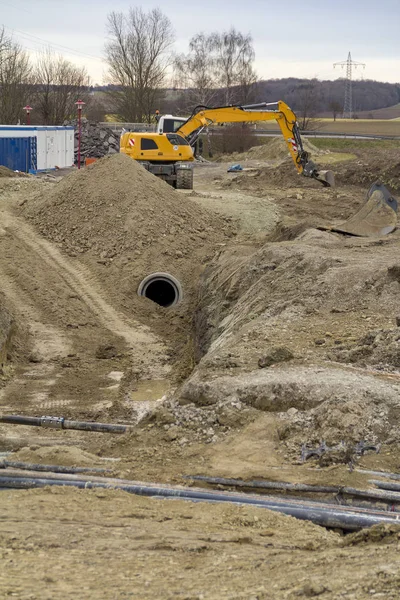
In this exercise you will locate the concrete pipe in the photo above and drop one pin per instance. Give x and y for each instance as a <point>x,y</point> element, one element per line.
<point>161,288</point>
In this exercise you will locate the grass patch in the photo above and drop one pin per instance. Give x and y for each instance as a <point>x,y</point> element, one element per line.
<point>343,144</point>
<point>335,157</point>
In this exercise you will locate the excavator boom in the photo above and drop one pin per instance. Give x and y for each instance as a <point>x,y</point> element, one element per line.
<point>276,111</point>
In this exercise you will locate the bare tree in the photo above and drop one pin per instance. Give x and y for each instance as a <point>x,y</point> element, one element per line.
<point>218,67</point>
<point>15,79</point>
<point>138,58</point>
<point>307,101</point>
<point>195,71</point>
<point>234,57</point>
<point>335,107</point>
<point>59,85</point>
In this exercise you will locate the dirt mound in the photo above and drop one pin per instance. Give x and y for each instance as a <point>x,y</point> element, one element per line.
<point>115,206</point>
<point>124,224</point>
<point>378,348</point>
<point>312,296</point>
<point>328,404</point>
<point>57,455</point>
<point>275,149</point>
<point>285,176</point>
<point>382,165</point>
<point>4,172</point>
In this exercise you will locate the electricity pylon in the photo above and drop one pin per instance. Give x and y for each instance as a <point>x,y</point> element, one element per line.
<point>348,85</point>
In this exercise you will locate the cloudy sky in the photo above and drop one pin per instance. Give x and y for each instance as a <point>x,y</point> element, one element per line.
<point>292,38</point>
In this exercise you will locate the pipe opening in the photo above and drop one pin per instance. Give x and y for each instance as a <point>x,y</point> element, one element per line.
<point>161,288</point>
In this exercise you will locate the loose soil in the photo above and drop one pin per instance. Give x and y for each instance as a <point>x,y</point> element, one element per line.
<point>274,149</point>
<point>4,172</point>
<point>287,336</point>
<point>136,547</point>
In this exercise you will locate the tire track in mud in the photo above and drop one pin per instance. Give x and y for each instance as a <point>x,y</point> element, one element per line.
<point>80,281</point>
<point>37,280</point>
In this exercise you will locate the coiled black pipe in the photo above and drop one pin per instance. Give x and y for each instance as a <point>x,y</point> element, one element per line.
<point>350,521</point>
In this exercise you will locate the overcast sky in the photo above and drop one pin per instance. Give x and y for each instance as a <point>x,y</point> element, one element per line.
<point>292,38</point>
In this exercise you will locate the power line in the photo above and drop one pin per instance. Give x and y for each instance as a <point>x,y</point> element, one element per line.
<point>37,40</point>
<point>17,8</point>
<point>348,86</point>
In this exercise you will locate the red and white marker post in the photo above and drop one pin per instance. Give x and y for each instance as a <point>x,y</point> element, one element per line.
<point>28,109</point>
<point>79,104</point>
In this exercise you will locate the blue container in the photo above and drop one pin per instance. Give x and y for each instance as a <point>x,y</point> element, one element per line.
<point>19,154</point>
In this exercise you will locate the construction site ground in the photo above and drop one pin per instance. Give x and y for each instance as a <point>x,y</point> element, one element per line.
<point>287,335</point>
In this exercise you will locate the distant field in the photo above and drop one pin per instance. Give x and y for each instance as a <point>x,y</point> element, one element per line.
<point>350,126</point>
<point>391,112</point>
<point>360,126</point>
<point>340,144</point>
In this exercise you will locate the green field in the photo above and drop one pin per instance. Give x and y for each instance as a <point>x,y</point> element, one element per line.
<point>350,126</point>
<point>340,144</point>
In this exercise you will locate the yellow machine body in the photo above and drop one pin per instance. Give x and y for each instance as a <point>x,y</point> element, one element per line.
<point>165,147</point>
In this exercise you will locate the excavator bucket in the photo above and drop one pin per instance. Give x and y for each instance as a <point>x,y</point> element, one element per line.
<point>327,178</point>
<point>310,169</point>
<point>378,216</point>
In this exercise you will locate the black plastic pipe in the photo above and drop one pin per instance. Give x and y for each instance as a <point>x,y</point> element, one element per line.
<point>52,468</point>
<point>61,423</point>
<point>267,485</point>
<point>375,495</point>
<point>350,521</point>
<point>379,473</point>
<point>112,481</point>
<point>300,487</point>
<point>386,485</point>
<point>25,474</point>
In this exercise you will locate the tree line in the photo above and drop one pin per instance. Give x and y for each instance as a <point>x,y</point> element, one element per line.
<point>217,69</point>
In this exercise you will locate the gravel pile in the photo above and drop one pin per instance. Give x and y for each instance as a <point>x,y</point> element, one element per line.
<point>187,424</point>
<point>115,206</point>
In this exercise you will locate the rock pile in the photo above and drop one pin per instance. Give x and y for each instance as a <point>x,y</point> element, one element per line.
<point>96,140</point>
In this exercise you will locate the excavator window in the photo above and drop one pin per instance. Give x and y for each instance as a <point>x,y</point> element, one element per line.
<point>148,144</point>
<point>177,140</point>
<point>170,125</point>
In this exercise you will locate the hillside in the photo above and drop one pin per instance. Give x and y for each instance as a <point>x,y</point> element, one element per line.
<point>368,96</point>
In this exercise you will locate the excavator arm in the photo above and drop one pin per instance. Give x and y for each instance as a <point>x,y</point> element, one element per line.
<point>277,111</point>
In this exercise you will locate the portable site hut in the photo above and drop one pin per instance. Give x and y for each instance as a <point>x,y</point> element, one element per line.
<point>36,148</point>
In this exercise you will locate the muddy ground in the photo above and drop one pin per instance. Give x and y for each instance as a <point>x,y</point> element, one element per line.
<point>287,336</point>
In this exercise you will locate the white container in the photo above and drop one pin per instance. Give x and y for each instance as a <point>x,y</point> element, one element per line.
<point>55,145</point>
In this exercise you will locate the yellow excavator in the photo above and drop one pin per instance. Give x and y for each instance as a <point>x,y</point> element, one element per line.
<point>168,153</point>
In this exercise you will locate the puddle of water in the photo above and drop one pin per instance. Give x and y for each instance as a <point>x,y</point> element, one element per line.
<point>150,390</point>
